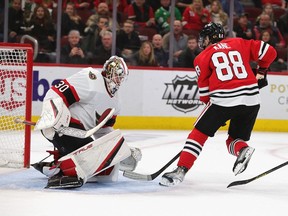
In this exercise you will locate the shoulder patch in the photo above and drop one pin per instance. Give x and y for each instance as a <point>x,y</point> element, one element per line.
<point>92,75</point>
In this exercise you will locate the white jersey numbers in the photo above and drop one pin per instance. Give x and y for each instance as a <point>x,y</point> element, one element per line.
<point>228,65</point>
<point>62,86</point>
<point>197,69</point>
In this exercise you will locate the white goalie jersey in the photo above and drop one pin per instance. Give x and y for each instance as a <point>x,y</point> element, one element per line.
<point>86,96</point>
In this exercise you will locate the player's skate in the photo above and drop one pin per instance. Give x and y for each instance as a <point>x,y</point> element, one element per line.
<point>175,177</point>
<point>242,160</point>
<point>130,163</point>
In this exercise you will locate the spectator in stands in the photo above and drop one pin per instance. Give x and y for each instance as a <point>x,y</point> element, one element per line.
<point>72,53</point>
<point>257,3</point>
<point>103,51</point>
<point>179,41</point>
<point>28,7</point>
<point>43,29</point>
<point>127,39</point>
<point>70,20</point>
<point>49,4</point>
<point>275,3</point>
<point>218,15</point>
<point>103,11</point>
<point>283,23</point>
<point>80,4</point>
<point>279,63</point>
<point>145,56</point>
<point>238,7</point>
<point>266,24</point>
<point>155,4</point>
<point>183,4</point>
<point>92,38</point>
<point>267,9</point>
<point>244,28</point>
<point>195,16</point>
<point>141,13</point>
<point>15,21</point>
<point>162,16</point>
<point>121,6</point>
<point>186,58</point>
<point>161,55</point>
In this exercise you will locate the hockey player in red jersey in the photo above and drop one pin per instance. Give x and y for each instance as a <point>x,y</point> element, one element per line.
<point>82,101</point>
<point>230,90</point>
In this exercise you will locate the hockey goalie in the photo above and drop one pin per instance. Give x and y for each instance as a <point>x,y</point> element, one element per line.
<point>85,101</point>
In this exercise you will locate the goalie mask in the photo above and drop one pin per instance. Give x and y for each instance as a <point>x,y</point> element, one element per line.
<point>210,34</point>
<point>115,71</point>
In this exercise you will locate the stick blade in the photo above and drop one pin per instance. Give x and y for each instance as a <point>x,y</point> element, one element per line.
<point>137,176</point>
<point>241,182</point>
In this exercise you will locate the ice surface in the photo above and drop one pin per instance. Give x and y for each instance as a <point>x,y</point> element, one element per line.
<point>203,192</point>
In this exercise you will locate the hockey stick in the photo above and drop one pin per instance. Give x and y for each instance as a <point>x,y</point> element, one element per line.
<point>242,182</point>
<point>75,132</point>
<point>143,177</point>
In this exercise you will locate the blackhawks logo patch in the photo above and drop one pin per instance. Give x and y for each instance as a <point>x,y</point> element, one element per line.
<point>92,75</point>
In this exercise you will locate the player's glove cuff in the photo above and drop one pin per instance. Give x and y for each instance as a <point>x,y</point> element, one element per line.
<point>262,71</point>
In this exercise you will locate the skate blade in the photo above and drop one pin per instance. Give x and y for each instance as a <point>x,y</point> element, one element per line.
<point>242,166</point>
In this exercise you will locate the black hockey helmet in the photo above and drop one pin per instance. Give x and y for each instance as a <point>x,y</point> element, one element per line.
<point>214,31</point>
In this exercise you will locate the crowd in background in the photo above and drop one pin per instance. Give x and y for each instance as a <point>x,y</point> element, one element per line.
<point>142,28</point>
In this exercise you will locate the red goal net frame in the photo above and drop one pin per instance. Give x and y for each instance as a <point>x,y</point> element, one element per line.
<point>25,62</point>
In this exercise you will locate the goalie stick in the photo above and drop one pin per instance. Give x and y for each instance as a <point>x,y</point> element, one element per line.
<point>242,182</point>
<point>75,132</point>
<point>151,177</point>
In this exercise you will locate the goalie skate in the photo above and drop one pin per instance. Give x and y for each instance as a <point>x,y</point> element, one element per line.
<point>59,181</point>
<point>174,178</point>
<point>242,160</point>
<point>47,168</point>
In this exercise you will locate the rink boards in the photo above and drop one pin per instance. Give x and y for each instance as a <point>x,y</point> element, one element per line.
<point>158,98</point>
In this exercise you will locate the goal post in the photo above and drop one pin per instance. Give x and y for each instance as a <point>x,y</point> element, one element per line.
<point>16,66</point>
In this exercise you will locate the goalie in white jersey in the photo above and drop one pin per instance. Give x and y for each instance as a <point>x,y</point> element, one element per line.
<point>82,101</point>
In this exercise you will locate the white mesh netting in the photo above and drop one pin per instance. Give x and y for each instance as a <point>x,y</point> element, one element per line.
<point>13,74</point>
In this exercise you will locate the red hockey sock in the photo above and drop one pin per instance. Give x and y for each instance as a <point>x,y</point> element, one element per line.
<point>192,148</point>
<point>235,145</point>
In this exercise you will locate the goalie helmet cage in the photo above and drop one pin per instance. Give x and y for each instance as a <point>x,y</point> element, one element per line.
<point>16,63</point>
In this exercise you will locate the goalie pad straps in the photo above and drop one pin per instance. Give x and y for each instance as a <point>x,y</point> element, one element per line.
<point>54,114</point>
<point>96,156</point>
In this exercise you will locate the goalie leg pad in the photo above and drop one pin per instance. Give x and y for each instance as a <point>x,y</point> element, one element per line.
<point>107,176</point>
<point>96,156</point>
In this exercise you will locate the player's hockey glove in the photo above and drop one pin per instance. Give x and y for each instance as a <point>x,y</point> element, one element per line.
<point>261,73</point>
<point>261,76</point>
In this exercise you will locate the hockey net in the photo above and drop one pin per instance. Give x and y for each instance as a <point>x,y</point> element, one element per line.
<point>16,62</point>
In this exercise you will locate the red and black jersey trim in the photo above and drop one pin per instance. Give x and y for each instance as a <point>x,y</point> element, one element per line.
<point>67,92</point>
